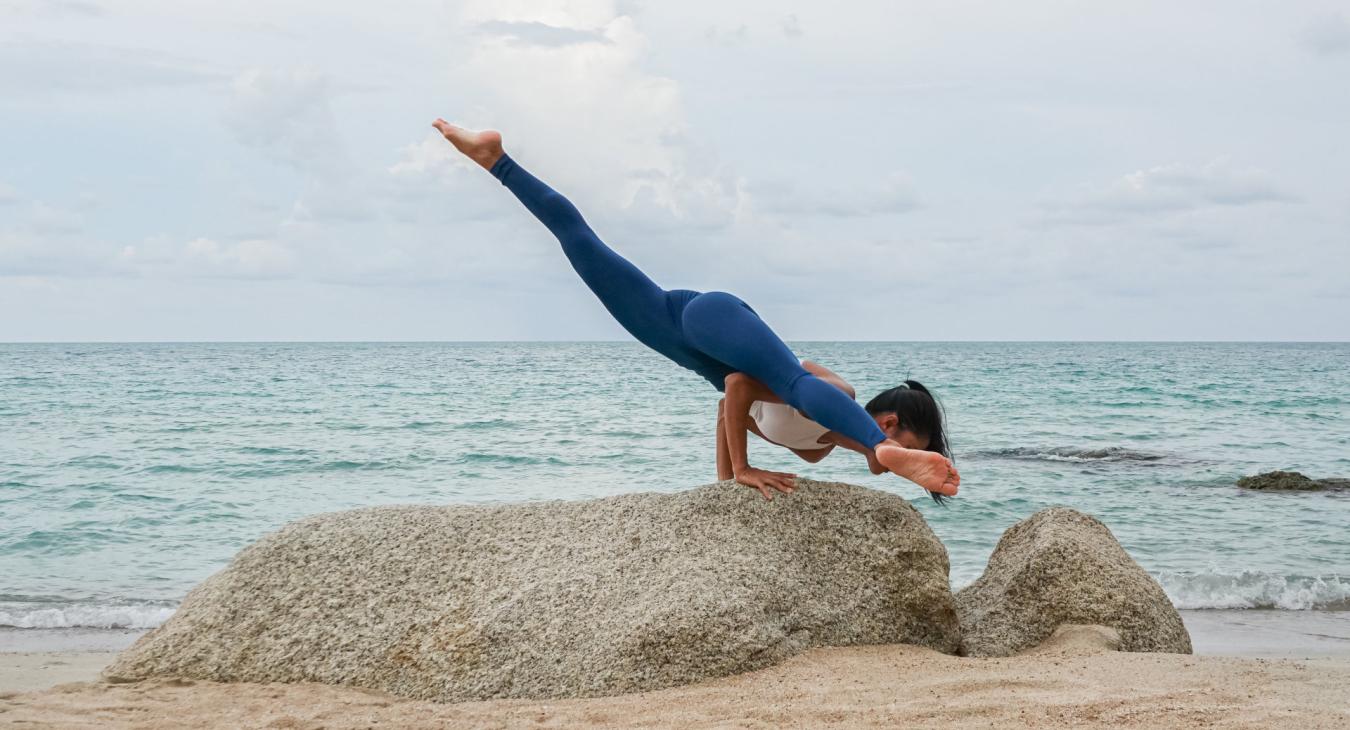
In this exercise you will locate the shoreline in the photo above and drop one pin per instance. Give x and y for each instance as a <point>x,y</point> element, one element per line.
<point>1055,686</point>
<point>1251,633</point>
<point>1252,668</point>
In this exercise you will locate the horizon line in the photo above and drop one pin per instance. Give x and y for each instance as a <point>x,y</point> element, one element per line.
<point>634,342</point>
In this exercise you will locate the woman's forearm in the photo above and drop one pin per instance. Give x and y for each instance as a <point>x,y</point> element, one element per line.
<point>724,470</point>
<point>848,443</point>
<point>737,411</point>
<point>872,464</point>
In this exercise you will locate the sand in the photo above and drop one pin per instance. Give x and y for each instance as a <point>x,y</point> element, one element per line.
<point>24,672</point>
<point>868,686</point>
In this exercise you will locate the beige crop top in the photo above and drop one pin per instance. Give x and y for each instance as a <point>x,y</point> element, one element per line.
<point>787,426</point>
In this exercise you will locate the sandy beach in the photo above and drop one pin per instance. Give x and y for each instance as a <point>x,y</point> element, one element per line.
<point>873,686</point>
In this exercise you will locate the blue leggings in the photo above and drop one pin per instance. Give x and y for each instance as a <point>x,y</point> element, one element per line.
<point>713,334</point>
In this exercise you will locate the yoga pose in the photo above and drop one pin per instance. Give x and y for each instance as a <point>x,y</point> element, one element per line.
<point>796,404</point>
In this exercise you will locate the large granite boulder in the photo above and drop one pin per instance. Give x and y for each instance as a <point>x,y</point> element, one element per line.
<point>561,599</point>
<point>1290,481</point>
<point>1060,566</point>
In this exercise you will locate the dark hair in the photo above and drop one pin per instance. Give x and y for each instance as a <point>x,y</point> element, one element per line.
<point>918,412</point>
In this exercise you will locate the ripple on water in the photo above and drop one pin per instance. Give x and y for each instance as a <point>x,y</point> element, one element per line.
<point>272,451</point>
<point>486,424</point>
<point>173,469</point>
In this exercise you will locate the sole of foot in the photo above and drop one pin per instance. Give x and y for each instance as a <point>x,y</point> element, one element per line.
<point>484,147</point>
<point>928,469</point>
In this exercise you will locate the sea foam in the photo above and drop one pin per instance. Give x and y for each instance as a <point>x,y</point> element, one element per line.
<point>1256,590</point>
<point>60,615</point>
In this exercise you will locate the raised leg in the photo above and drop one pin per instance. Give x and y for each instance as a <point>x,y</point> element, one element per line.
<point>645,310</point>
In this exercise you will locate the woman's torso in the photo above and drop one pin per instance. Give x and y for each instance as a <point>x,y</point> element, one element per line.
<point>787,426</point>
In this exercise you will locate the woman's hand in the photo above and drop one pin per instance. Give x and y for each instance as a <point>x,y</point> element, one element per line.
<point>875,466</point>
<point>766,481</point>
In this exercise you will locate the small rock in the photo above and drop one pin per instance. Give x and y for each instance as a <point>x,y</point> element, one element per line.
<point>1058,567</point>
<point>1077,640</point>
<point>1290,481</point>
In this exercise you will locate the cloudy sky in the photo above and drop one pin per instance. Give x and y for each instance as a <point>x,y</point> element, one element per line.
<point>856,170</point>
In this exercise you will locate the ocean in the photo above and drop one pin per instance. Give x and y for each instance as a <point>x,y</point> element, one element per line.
<point>130,472</point>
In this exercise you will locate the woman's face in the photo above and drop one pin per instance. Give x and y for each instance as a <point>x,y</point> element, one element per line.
<point>890,425</point>
<point>910,440</point>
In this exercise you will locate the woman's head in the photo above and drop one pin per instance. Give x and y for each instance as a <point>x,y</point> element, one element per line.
<point>909,415</point>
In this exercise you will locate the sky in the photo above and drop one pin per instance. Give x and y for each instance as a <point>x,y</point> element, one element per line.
<point>855,170</point>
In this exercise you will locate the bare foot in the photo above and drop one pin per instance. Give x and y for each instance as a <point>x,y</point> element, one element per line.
<point>928,469</point>
<point>484,147</point>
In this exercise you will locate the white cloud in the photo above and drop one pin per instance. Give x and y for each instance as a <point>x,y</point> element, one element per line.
<point>1326,35</point>
<point>40,253</point>
<point>42,67</point>
<point>38,217</point>
<point>250,259</point>
<point>1168,189</point>
<point>589,116</point>
<point>164,257</point>
<point>757,163</point>
<point>433,156</point>
<point>541,34</point>
<point>47,219</point>
<point>51,8</point>
<point>29,253</point>
<point>727,36</point>
<point>285,113</point>
<point>887,195</point>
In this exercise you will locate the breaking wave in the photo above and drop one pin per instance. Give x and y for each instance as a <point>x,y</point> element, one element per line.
<point>1250,589</point>
<point>72,614</point>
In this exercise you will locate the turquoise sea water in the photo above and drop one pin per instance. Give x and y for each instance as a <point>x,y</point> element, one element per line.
<point>130,472</point>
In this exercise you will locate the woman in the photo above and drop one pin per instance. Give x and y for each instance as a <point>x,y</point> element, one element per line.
<point>908,414</point>
<point>722,339</point>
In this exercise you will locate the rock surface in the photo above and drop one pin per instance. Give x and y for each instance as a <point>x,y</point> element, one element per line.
<point>561,599</point>
<point>1077,640</point>
<point>1290,481</point>
<point>1060,566</point>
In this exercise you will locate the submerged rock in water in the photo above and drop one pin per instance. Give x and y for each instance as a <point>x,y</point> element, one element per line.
<point>561,599</point>
<point>1060,566</point>
<point>1290,481</point>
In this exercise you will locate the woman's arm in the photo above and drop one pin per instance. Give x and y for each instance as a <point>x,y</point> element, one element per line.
<point>829,376</point>
<point>848,443</point>
<point>723,456</point>
<point>812,456</point>
<point>724,470</point>
<point>741,391</point>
